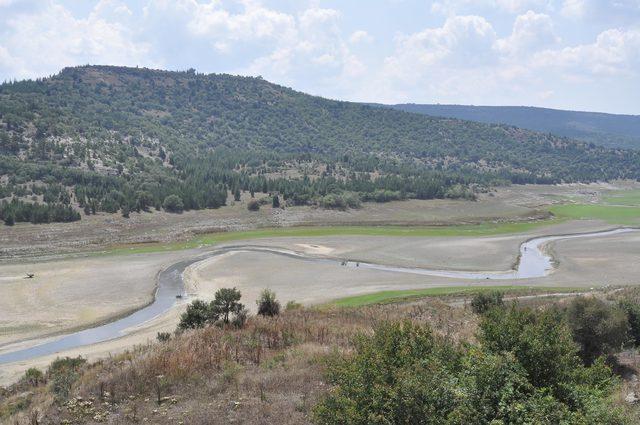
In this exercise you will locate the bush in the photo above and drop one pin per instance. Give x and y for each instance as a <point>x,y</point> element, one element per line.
<point>62,374</point>
<point>267,304</point>
<point>340,201</point>
<point>33,376</point>
<point>240,318</point>
<point>196,316</point>
<point>173,204</point>
<point>598,327</point>
<point>540,341</point>
<point>400,375</point>
<point>10,219</point>
<point>292,305</point>
<point>163,336</point>
<point>253,205</point>
<point>633,319</point>
<point>525,371</point>
<point>382,195</point>
<point>483,301</point>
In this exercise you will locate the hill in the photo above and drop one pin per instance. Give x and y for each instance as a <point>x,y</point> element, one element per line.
<point>611,130</point>
<point>104,138</point>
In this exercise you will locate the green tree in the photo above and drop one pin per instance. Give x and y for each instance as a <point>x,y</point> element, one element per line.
<point>144,200</point>
<point>173,204</point>
<point>10,218</point>
<point>268,305</point>
<point>226,303</point>
<point>197,315</point>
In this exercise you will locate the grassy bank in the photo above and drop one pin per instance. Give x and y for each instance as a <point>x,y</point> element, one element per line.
<point>625,197</point>
<point>484,229</point>
<point>406,295</point>
<point>614,214</point>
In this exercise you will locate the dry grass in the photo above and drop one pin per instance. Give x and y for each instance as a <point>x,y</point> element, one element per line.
<point>271,371</point>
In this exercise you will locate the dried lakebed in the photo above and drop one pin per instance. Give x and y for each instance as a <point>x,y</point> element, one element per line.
<point>533,262</point>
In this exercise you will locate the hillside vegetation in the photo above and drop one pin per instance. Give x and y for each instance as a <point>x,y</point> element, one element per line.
<point>611,130</point>
<point>114,139</point>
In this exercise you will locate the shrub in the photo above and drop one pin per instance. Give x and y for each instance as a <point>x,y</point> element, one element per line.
<point>598,327</point>
<point>33,376</point>
<point>400,375</point>
<point>253,205</point>
<point>173,204</point>
<point>163,336</point>
<point>382,195</point>
<point>62,374</point>
<point>525,371</point>
<point>240,318</point>
<point>267,304</point>
<point>540,341</point>
<point>633,318</point>
<point>292,305</point>
<point>340,201</point>
<point>483,301</point>
<point>197,315</point>
<point>459,191</point>
<point>10,219</point>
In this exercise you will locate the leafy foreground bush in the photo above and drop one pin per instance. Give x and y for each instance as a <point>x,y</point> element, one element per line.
<point>484,301</point>
<point>524,371</point>
<point>598,327</point>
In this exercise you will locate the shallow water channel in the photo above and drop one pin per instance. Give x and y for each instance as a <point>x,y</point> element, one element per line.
<point>533,262</point>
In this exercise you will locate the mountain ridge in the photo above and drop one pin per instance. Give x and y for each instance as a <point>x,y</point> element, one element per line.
<point>601,128</point>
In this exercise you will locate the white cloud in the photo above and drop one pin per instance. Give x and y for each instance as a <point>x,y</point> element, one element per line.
<point>471,51</point>
<point>461,41</point>
<point>254,22</point>
<point>615,52</point>
<point>360,36</point>
<point>601,10</point>
<point>574,8</point>
<point>42,43</point>
<point>518,6</point>
<point>531,31</point>
<point>456,7</point>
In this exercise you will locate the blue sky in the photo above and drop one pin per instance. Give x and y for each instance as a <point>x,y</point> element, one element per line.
<point>569,54</point>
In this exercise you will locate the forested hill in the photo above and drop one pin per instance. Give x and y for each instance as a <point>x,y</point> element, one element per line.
<point>612,130</point>
<point>114,138</point>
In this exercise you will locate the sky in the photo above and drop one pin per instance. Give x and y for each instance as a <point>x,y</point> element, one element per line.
<point>566,54</point>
